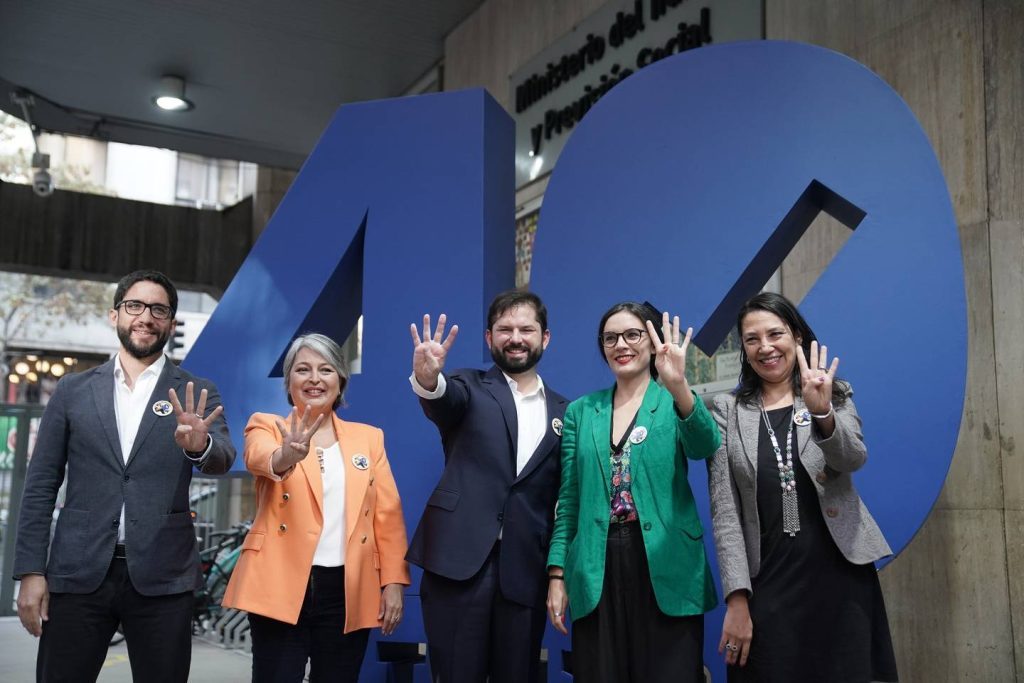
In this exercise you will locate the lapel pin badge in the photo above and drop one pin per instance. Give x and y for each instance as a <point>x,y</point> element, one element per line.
<point>556,425</point>
<point>802,417</point>
<point>162,408</point>
<point>638,435</point>
<point>360,461</point>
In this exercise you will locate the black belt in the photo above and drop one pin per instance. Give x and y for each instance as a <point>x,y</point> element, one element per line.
<point>119,552</point>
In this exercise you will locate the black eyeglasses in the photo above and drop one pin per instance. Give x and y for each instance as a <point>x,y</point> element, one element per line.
<point>133,307</point>
<point>610,339</point>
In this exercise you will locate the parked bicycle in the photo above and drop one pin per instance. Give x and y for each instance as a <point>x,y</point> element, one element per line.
<point>216,562</point>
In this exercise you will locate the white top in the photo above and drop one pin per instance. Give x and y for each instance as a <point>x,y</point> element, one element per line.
<point>531,419</point>
<point>330,549</point>
<point>130,404</point>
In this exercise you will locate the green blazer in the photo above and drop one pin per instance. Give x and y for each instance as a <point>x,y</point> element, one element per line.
<point>673,535</point>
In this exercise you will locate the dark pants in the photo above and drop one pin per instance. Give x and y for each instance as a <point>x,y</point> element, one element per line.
<point>280,650</point>
<point>158,632</point>
<point>474,634</point>
<point>627,638</point>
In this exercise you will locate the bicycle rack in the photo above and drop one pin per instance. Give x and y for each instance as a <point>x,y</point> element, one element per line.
<point>231,630</point>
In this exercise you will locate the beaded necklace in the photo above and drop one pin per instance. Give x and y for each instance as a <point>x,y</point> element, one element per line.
<point>790,510</point>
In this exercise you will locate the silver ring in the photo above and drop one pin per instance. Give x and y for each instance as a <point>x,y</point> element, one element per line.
<point>731,647</point>
<point>822,368</point>
<point>558,614</point>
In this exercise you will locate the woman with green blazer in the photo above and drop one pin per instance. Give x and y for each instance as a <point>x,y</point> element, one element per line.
<point>627,551</point>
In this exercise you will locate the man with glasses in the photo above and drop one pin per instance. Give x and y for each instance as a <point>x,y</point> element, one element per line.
<point>483,538</point>
<point>124,549</point>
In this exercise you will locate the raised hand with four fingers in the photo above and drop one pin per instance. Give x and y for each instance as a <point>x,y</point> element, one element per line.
<point>430,352</point>
<point>670,360</point>
<point>295,440</point>
<point>193,429</point>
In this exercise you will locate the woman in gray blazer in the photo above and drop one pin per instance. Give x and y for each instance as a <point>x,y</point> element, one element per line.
<point>796,545</point>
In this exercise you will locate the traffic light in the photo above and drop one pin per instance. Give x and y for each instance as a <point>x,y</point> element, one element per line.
<point>177,339</point>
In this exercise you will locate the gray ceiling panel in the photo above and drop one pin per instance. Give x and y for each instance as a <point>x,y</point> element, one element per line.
<point>265,75</point>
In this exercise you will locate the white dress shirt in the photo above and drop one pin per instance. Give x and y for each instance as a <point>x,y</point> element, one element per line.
<point>130,404</point>
<point>531,418</point>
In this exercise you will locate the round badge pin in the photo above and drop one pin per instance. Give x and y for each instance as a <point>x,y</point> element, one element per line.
<point>802,417</point>
<point>556,425</point>
<point>638,435</point>
<point>162,408</point>
<point>360,461</point>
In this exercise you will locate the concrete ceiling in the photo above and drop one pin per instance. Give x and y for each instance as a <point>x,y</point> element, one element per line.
<point>265,76</point>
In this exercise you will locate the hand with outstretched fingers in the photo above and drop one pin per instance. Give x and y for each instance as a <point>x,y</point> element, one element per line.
<point>295,439</point>
<point>192,428</point>
<point>670,360</point>
<point>670,355</point>
<point>816,378</point>
<point>429,353</point>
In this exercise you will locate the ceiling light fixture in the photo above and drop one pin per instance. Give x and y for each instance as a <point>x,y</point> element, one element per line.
<point>171,96</point>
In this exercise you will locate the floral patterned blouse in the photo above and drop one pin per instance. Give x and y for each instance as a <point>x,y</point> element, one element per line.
<point>622,507</point>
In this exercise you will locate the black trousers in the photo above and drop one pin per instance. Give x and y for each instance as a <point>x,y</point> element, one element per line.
<point>474,634</point>
<point>280,650</point>
<point>158,632</point>
<point>627,638</point>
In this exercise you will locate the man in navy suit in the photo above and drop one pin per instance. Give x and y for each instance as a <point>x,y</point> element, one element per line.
<point>124,550</point>
<point>483,538</point>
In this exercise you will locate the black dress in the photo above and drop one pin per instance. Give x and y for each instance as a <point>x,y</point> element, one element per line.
<point>817,617</point>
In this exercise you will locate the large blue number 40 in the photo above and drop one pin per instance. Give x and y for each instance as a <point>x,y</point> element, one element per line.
<point>686,185</point>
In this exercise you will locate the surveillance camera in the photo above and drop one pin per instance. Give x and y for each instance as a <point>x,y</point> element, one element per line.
<point>42,183</point>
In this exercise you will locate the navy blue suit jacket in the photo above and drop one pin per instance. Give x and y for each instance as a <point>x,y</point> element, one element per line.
<point>479,492</point>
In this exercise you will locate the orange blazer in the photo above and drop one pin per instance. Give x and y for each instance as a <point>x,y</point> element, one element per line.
<point>277,555</point>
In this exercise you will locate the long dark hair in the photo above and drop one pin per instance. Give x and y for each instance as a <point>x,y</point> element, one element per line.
<point>749,389</point>
<point>645,312</point>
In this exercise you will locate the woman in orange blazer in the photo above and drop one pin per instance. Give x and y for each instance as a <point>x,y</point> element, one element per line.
<point>324,561</point>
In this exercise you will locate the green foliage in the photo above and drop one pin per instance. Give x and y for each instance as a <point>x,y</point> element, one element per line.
<point>54,301</point>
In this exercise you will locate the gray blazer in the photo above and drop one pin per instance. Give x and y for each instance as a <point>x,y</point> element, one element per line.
<point>78,432</point>
<point>829,462</point>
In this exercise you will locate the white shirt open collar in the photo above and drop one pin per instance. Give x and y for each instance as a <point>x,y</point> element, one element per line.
<point>514,386</point>
<point>155,369</point>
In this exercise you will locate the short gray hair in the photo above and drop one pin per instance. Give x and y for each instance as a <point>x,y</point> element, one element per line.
<point>331,352</point>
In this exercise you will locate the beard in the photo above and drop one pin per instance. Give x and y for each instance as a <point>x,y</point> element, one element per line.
<point>124,335</point>
<point>514,367</point>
